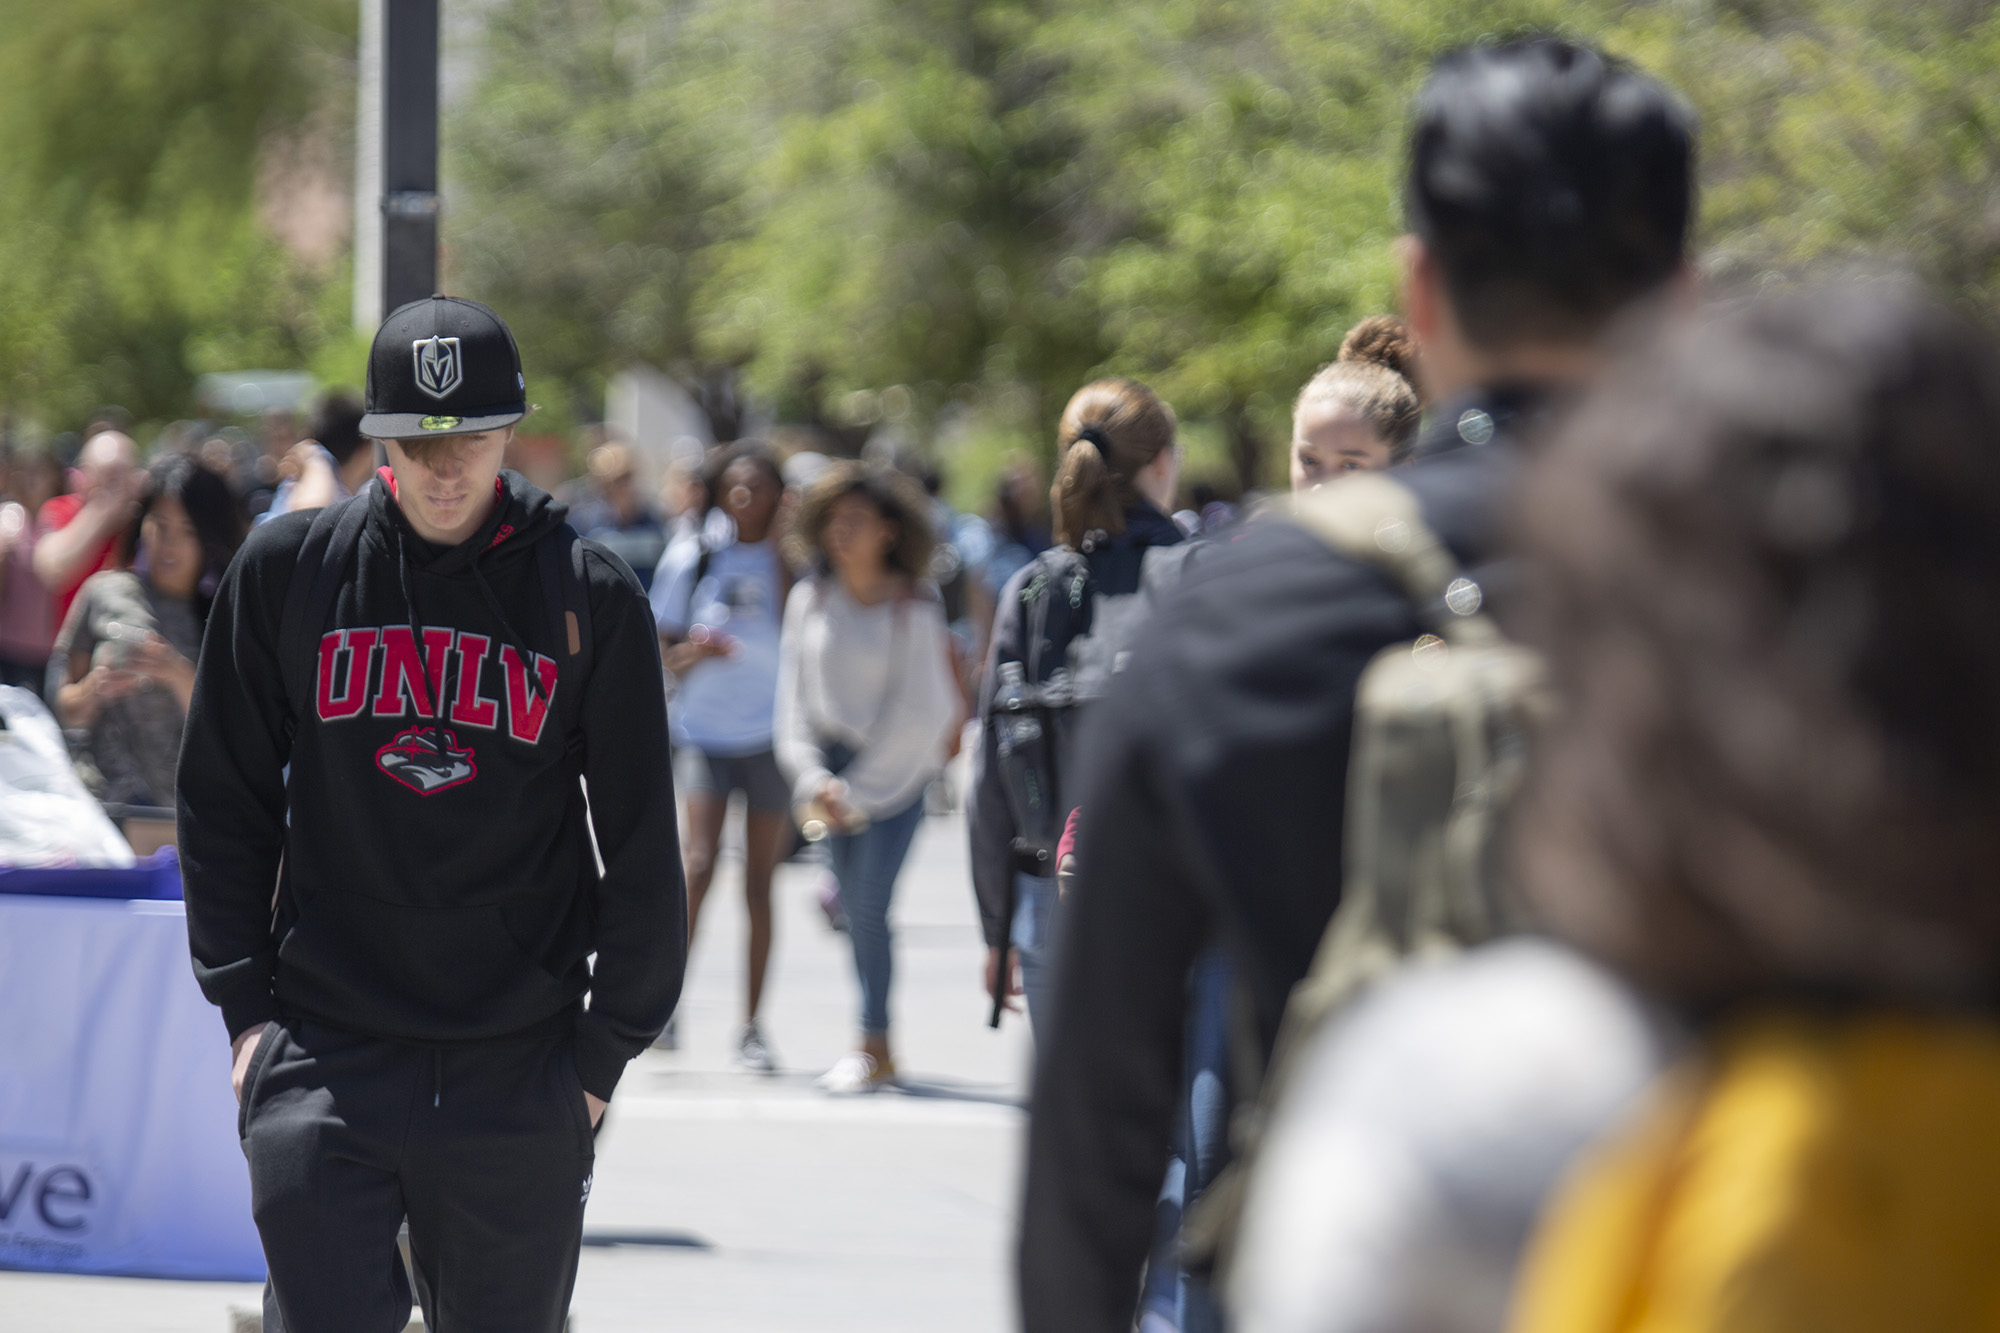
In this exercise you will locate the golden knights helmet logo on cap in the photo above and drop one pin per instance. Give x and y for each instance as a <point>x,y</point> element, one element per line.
<point>439,367</point>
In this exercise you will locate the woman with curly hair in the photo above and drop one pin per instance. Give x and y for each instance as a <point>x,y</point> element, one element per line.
<point>865,699</point>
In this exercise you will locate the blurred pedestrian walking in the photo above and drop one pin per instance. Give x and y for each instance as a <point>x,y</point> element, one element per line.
<point>1759,837</point>
<point>617,515</point>
<point>1548,189</point>
<point>121,671</point>
<point>28,481</point>
<point>1063,623</point>
<point>865,702</point>
<point>86,530</point>
<point>718,603</point>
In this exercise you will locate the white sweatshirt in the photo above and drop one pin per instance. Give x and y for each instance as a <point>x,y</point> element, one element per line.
<point>873,678</point>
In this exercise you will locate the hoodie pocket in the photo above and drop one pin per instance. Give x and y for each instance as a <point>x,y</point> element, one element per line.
<point>259,1058</point>
<point>424,972</point>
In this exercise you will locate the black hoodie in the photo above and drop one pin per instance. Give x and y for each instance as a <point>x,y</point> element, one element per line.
<point>435,883</point>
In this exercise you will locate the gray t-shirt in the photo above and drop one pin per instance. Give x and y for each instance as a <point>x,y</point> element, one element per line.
<point>130,752</point>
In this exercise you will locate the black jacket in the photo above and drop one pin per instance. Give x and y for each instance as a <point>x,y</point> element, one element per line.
<point>1213,789</point>
<point>434,893</point>
<point>1115,567</point>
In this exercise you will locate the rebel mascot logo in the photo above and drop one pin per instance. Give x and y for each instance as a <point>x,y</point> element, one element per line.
<point>440,367</point>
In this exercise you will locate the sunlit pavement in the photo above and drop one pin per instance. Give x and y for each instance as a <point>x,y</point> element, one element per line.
<point>736,1202</point>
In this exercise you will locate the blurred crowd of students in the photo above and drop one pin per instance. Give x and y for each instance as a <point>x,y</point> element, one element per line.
<point>1542,883</point>
<point>1720,1052</point>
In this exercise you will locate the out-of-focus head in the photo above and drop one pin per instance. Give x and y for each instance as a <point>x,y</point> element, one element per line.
<point>861,512</point>
<point>745,482</point>
<point>33,478</point>
<point>1113,433</point>
<point>188,527</point>
<point>1360,412</point>
<point>108,456</point>
<point>336,425</point>
<point>1548,188</point>
<point>1018,497</point>
<point>1765,552</point>
<point>615,473</point>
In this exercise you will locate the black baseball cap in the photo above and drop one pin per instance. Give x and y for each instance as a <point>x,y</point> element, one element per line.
<point>443,366</point>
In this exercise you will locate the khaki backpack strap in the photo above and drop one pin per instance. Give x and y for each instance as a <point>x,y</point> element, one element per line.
<point>1372,518</point>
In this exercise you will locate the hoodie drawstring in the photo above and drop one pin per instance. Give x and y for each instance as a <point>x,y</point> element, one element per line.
<point>513,635</point>
<point>437,1076</point>
<point>417,641</point>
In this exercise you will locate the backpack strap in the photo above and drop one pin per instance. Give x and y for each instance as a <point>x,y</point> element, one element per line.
<point>316,576</point>
<point>1374,519</point>
<point>566,594</point>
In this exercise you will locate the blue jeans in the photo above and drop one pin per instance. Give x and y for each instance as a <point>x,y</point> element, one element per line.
<point>1033,937</point>
<point>1201,1147</point>
<point>866,864</point>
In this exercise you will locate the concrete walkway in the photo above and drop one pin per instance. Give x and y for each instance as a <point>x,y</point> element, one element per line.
<point>744,1204</point>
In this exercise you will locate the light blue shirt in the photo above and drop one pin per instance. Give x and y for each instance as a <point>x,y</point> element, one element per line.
<point>724,705</point>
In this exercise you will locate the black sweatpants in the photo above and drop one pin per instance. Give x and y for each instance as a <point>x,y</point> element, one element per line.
<point>485,1148</point>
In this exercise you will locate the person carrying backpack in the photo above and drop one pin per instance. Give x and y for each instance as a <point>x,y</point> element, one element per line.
<point>1746,1076</point>
<point>394,884</point>
<point>1548,189</point>
<point>1059,633</point>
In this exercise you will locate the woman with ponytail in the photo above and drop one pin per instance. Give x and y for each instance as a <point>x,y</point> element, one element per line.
<point>1060,627</point>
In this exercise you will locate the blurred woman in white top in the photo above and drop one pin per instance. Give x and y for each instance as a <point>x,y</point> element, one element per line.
<point>865,702</point>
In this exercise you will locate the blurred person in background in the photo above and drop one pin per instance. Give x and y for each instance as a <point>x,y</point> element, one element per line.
<point>719,607</point>
<point>334,462</point>
<point>1020,524</point>
<point>1760,841</point>
<point>84,531</point>
<point>1360,411</point>
<point>27,611</point>
<point>122,666</point>
<point>1548,190</point>
<point>865,702</point>
<point>616,515</point>
<point>1119,466</point>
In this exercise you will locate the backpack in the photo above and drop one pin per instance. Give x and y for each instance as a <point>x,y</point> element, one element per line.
<point>328,550</point>
<point>1036,700</point>
<point>1831,1171</point>
<point>1441,738</point>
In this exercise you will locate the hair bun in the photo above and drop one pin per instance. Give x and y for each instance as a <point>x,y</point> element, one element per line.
<point>1385,341</point>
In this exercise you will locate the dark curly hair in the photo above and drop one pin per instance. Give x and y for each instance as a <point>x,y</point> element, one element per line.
<point>895,496</point>
<point>1767,553</point>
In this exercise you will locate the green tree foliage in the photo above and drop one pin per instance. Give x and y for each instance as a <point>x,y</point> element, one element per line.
<point>131,254</point>
<point>991,201</point>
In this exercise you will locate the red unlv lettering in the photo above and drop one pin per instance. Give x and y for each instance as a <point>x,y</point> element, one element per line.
<point>527,710</point>
<point>359,645</point>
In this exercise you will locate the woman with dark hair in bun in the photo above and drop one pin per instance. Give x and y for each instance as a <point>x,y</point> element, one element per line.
<point>1359,412</point>
<point>1057,631</point>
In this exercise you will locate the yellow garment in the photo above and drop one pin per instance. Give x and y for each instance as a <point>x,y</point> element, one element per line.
<point>1809,1175</point>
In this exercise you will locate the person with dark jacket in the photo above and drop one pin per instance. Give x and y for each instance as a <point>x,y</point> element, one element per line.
<point>1549,188</point>
<point>407,1012</point>
<point>1114,489</point>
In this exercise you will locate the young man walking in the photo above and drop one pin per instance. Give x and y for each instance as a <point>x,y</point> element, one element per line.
<point>1549,189</point>
<point>393,888</point>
